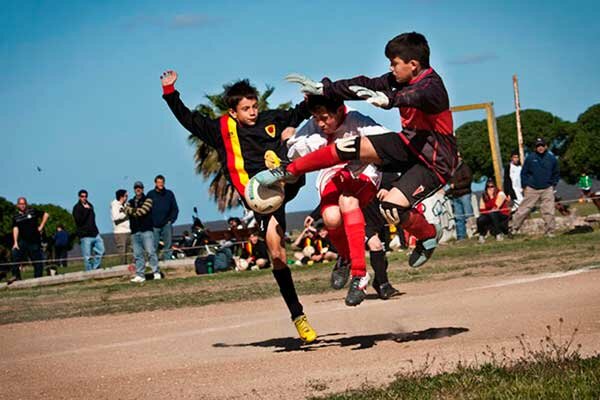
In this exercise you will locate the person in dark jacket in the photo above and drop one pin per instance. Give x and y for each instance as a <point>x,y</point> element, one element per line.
<point>164,214</point>
<point>255,254</point>
<point>139,210</point>
<point>92,245</point>
<point>61,245</point>
<point>460,194</point>
<point>27,239</point>
<point>539,176</point>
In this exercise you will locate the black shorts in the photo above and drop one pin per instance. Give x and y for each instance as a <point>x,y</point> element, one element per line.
<point>262,220</point>
<point>374,221</point>
<point>417,181</point>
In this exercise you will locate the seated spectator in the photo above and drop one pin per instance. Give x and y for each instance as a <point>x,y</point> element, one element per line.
<point>305,243</point>
<point>235,223</point>
<point>254,255</point>
<point>324,250</point>
<point>494,212</point>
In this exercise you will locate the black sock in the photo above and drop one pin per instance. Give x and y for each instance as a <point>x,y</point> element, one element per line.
<point>379,264</point>
<point>288,291</point>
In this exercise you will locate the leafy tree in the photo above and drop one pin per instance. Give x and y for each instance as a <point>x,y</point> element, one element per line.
<point>206,157</point>
<point>583,152</point>
<point>473,142</point>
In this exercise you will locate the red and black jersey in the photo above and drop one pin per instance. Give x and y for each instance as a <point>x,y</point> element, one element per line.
<point>241,148</point>
<point>427,127</point>
<point>259,250</point>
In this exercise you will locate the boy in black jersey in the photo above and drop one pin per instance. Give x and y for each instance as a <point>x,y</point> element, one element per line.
<point>243,139</point>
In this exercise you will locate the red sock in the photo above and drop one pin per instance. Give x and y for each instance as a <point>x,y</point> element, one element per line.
<point>338,238</point>
<point>322,158</point>
<point>417,225</point>
<point>354,223</point>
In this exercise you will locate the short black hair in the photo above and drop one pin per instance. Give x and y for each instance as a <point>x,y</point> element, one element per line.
<point>320,226</point>
<point>409,46</point>
<point>159,176</point>
<point>82,191</point>
<point>331,104</point>
<point>120,193</point>
<point>235,92</point>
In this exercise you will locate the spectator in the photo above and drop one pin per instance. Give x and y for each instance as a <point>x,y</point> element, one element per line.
<point>61,246</point>
<point>494,212</point>
<point>460,194</point>
<point>305,243</point>
<point>164,214</point>
<point>139,210</point>
<point>120,222</point>
<point>585,185</point>
<point>234,223</point>
<point>324,250</point>
<point>27,239</point>
<point>254,255</point>
<point>512,180</point>
<point>539,176</point>
<point>92,245</point>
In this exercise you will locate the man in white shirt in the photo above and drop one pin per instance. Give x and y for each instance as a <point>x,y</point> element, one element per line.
<point>512,180</point>
<point>120,221</point>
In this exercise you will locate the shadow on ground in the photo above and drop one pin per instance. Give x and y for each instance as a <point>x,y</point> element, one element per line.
<point>359,342</point>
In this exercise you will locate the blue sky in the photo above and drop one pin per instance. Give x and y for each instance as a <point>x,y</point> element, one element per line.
<point>81,99</point>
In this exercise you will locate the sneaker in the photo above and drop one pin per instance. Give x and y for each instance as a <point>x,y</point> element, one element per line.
<point>357,290</point>
<point>385,290</point>
<point>499,237</point>
<point>270,177</point>
<point>424,249</point>
<point>137,279</point>
<point>550,235</point>
<point>157,276</point>
<point>340,274</point>
<point>481,239</point>
<point>305,331</point>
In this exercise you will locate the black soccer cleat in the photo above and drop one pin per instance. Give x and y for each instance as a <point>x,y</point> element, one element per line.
<point>357,290</point>
<point>424,249</point>
<point>385,290</point>
<point>340,274</point>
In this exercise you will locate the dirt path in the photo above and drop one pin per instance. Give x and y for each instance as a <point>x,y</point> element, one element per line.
<point>248,350</point>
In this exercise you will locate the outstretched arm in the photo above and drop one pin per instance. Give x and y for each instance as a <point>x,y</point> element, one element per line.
<point>202,127</point>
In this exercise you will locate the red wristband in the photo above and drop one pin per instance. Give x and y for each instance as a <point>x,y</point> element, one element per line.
<point>168,89</point>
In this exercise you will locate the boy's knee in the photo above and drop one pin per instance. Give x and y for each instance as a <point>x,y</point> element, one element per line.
<point>332,217</point>
<point>374,243</point>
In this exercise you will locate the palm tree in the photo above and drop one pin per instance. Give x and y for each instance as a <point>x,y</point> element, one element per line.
<point>206,158</point>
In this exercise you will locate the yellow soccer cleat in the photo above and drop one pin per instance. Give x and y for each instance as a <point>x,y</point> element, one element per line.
<point>306,332</point>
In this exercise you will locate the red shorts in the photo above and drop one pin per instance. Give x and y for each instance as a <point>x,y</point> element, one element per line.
<point>343,183</point>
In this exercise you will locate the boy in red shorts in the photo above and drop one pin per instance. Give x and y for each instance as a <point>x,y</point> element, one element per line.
<point>424,151</point>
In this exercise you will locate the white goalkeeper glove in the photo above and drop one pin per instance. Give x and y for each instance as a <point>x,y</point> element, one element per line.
<point>307,85</point>
<point>378,99</point>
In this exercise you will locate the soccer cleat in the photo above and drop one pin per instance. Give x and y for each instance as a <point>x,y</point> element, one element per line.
<point>137,279</point>
<point>424,249</point>
<point>357,290</point>
<point>340,274</point>
<point>385,290</point>
<point>305,331</point>
<point>270,177</point>
<point>157,276</point>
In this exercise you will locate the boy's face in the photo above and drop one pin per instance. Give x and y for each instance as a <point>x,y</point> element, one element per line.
<point>328,122</point>
<point>253,239</point>
<point>246,112</point>
<point>323,233</point>
<point>404,71</point>
<point>515,159</point>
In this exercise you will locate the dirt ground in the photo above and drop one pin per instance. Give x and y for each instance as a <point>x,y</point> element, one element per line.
<point>249,350</point>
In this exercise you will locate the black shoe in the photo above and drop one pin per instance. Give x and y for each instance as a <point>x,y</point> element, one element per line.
<point>424,249</point>
<point>340,274</point>
<point>357,290</point>
<point>385,291</point>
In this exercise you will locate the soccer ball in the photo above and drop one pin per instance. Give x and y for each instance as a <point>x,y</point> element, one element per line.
<point>264,199</point>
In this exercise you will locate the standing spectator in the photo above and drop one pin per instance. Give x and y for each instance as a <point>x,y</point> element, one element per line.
<point>494,212</point>
<point>539,176</point>
<point>61,246</point>
<point>92,245</point>
<point>27,239</point>
<point>139,210</point>
<point>164,214</point>
<point>460,194</point>
<point>512,180</point>
<point>120,221</point>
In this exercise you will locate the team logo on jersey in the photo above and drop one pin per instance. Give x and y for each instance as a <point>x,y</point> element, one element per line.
<point>418,190</point>
<point>270,129</point>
